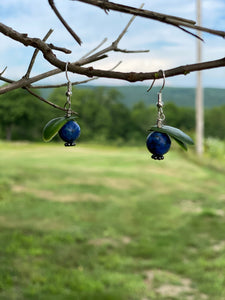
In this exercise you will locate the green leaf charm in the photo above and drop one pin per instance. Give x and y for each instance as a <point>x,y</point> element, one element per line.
<point>179,136</point>
<point>183,145</point>
<point>53,126</point>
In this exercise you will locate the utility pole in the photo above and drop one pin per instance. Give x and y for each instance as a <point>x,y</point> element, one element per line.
<point>199,101</point>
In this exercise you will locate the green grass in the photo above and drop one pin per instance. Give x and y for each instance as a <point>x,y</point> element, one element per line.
<point>98,222</point>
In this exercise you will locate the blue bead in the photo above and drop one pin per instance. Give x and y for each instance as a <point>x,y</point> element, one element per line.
<point>69,132</point>
<point>158,143</point>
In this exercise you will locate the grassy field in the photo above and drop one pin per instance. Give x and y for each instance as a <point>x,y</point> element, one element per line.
<point>98,222</point>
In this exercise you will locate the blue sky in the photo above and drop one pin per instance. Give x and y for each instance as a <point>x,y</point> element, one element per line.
<point>169,47</point>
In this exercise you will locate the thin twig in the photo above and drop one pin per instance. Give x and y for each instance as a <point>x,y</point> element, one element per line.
<point>46,101</point>
<point>117,65</point>
<point>116,42</point>
<point>151,86</point>
<point>125,29</point>
<point>74,35</point>
<point>27,75</point>
<point>93,50</point>
<point>51,86</point>
<point>73,83</point>
<point>112,47</point>
<point>131,51</point>
<point>93,59</point>
<point>191,33</point>
<point>3,71</point>
<point>67,51</point>
<point>6,79</point>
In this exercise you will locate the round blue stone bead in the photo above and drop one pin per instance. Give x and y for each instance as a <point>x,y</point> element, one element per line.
<point>69,133</point>
<point>158,143</point>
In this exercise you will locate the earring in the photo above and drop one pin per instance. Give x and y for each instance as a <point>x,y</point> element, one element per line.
<point>158,141</point>
<point>67,128</point>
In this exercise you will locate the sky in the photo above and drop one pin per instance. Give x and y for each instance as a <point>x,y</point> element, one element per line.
<point>169,47</point>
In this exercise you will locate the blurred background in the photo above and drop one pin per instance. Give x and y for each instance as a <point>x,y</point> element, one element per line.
<point>102,220</point>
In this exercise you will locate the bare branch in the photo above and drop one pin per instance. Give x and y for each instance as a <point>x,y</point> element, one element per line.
<point>141,76</point>
<point>191,33</point>
<point>125,29</point>
<point>77,67</point>
<point>73,83</point>
<point>65,84</point>
<point>6,79</point>
<point>112,47</point>
<point>116,42</point>
<point>35,54</point>
<point>25,81</point>
<point>3,71</point>
<point>130,76</point>
<point>46,101</point>
<point>136,12</point>
<point>67,51</point>
<point>93,50</point>
<point>74,35</point>
<point>52,86</point>
<point>168,19</point>
<point>39,44</point>
<point>131,51</point>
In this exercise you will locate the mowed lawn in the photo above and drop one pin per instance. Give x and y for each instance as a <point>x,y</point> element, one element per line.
<point>100,222</point>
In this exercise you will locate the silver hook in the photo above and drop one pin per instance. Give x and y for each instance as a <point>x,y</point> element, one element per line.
<point>164,80</point>
<point>68,93</point>
<point>66,71</point>
<point>161,116</point>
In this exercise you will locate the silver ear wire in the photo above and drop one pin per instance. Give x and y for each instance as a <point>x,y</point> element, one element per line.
<point>164,80</point>
<point>66,71</point>
<point>161,116</point>
<point>159,104</point>
<point>68,93</point>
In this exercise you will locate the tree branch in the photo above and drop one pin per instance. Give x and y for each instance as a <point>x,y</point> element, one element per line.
<point>93,50</point>
<point>46,101</point>
<point>73,83</point>
<point>112,47</point>
<point>53,86</point>
<point>74,35</point>
<point>130,51</point>
<point>140,76</point>
<point>3,71</point>
<point>35,55</point>
<point>28,41</point>
<point>40,45</point>
<point>135,11</point>
<point>77,67</point>
<point>130,76</point>
<point>67,51</point>
<point>168,19</point>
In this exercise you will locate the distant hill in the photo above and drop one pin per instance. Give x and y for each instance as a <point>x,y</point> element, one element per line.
<point>130,94</point>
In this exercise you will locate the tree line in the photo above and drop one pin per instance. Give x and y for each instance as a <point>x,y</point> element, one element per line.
<point>101,116</point>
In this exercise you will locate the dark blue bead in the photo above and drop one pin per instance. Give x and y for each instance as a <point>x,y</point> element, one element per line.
<point>158,143</point>
<point>69,132</point>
